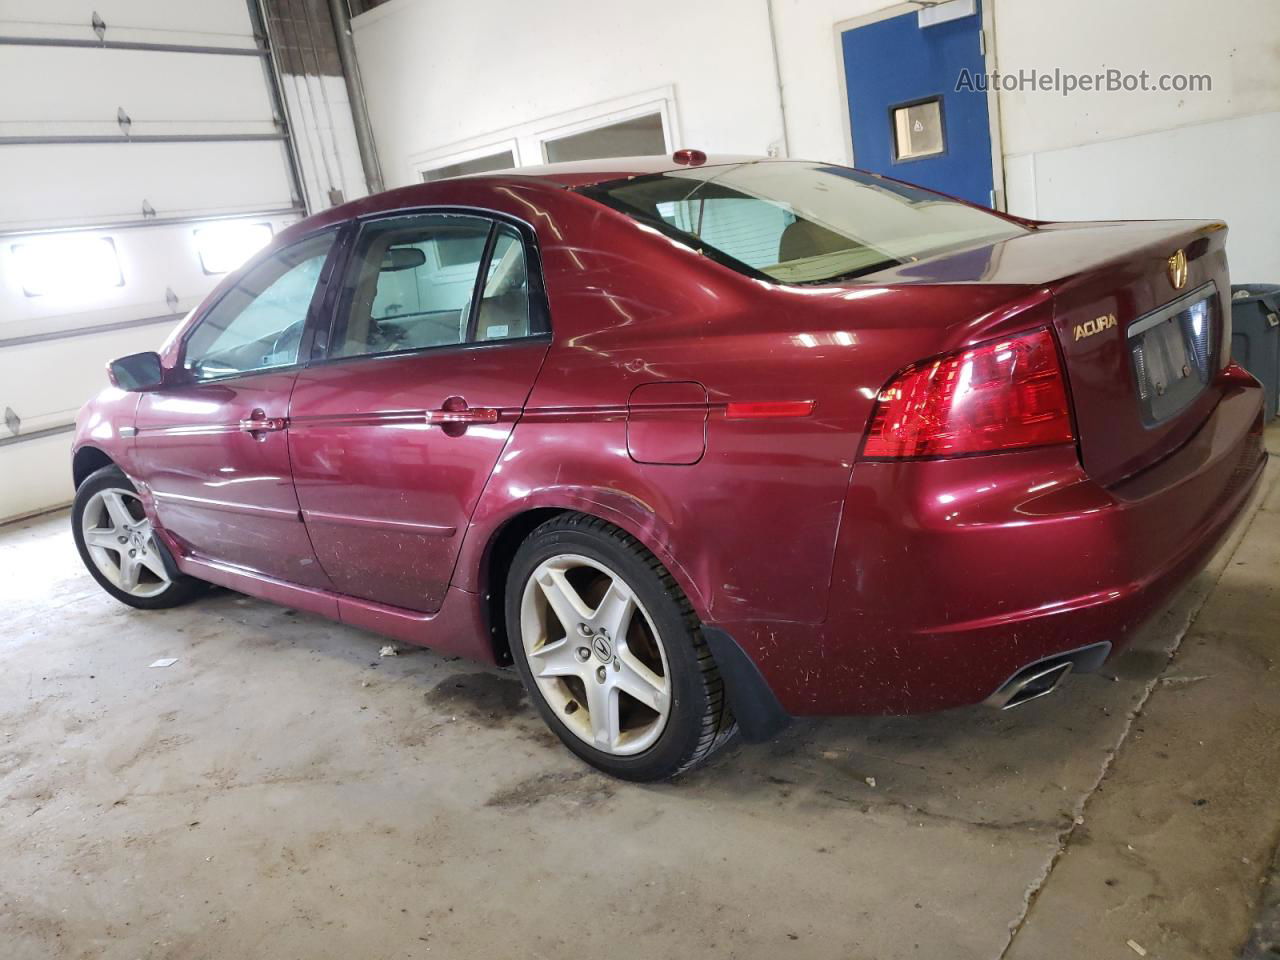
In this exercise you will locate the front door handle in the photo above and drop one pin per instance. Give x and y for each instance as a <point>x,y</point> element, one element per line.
<point>259,422</point>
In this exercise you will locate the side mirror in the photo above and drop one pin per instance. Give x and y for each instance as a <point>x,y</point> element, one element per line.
<point>138,371</point>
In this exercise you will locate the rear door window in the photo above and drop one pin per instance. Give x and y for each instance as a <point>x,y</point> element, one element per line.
<point>432,280</point>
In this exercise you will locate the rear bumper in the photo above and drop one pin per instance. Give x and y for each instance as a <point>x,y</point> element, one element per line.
<point>953,575</point>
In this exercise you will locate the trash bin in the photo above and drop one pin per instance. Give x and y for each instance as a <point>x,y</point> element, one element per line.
<point>1255,336</point>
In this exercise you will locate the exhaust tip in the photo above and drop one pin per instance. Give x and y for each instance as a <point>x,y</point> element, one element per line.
<point>1041,678</point>
<point>1039,684</point>
<point>1036,681</point>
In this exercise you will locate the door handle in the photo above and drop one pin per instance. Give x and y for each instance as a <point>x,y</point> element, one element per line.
<point>454,411</point>
<point>469,415</point>
<point>258,422</point>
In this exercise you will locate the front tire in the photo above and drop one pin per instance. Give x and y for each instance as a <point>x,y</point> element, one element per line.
<point>610,652</point>
<point>119,547</point>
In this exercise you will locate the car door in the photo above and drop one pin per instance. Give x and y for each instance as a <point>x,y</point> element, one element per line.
<point>438,333</point>
<point>213,445</point>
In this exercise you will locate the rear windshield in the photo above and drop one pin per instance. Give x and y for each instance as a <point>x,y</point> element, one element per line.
<point>797,222</point>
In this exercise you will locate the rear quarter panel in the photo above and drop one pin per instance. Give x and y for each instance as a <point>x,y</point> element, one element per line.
<point>750,529</point>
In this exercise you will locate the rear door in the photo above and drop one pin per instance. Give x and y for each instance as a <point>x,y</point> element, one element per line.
<point>213,447</point>
<point>438,334</point>
<point>907,117</point>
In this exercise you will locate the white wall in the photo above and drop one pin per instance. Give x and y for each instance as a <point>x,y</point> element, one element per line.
<point>438,72</point>
<point>442,74</point>
<point>1149,155</point>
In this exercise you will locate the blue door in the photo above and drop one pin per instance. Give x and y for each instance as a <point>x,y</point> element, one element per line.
<point>907,118</point>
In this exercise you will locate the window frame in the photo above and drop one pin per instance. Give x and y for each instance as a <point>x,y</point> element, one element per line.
<point>310,322</point>
<point>540,329</point>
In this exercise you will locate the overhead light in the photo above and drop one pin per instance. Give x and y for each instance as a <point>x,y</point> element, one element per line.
<point>67,265</point>
<point>224,246</point>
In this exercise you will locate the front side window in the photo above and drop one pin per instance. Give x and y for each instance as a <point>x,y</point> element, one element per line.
<point>433,280</point>
<point>797,222</point>
<point>258,324</point>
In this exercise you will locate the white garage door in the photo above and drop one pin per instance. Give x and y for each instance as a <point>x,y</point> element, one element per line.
<point>142,150</point>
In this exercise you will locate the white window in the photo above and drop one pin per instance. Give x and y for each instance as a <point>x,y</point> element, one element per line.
<point>637,137</point>
<point>504,160</point>
<point>644,124</point>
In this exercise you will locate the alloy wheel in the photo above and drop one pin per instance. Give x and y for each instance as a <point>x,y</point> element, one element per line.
<point>595,654</point>
<point>121,543</point>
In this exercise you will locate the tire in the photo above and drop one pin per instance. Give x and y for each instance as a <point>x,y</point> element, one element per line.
<point>661,707</point>
<point>112,543</point>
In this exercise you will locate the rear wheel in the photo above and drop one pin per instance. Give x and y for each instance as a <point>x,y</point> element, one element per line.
<point>119,547</point>
<point>611,652</point>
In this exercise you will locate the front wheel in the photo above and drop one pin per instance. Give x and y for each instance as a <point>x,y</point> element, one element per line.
<point>611,653</point>
<point>119,547</point>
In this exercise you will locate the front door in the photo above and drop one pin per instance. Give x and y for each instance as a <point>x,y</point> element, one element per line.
<point>214,446</point>
<point>438,335</point>
<point>907,118</point>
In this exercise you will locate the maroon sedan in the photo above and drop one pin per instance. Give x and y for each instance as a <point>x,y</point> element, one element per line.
<point>698,445</point>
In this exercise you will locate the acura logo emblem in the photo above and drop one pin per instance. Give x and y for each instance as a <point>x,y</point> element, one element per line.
<point>602,647</point>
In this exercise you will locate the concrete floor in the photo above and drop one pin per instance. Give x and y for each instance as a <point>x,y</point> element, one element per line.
<point>281,791</point>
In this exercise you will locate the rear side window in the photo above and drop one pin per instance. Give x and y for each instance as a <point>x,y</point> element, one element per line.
<point>433,280</point>
<point>504,309</point>
<point>796,222</point>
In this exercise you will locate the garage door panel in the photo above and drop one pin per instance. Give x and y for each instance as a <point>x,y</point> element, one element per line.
<point>47,397</point>
<point>153,260</point>
<point>204,146</point>
<point>214,23</point>
<point>56,185</point>
<point>35,475</point>
<point>53,90</point>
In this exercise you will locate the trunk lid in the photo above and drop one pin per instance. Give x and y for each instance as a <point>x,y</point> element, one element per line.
<point>1142,336</point>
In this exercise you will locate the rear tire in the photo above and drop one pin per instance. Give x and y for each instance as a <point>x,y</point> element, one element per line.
<point>628,684</point>
<point>119,547</point>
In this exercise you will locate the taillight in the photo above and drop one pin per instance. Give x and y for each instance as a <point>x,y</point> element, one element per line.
<point>999,395</point>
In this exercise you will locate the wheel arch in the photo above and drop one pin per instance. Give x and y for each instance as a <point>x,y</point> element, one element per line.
<point>508,532</point>
<point>87,460</point>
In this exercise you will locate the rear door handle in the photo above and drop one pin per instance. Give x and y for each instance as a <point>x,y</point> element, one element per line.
<point>470,415</point>
<point>455,411</point>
